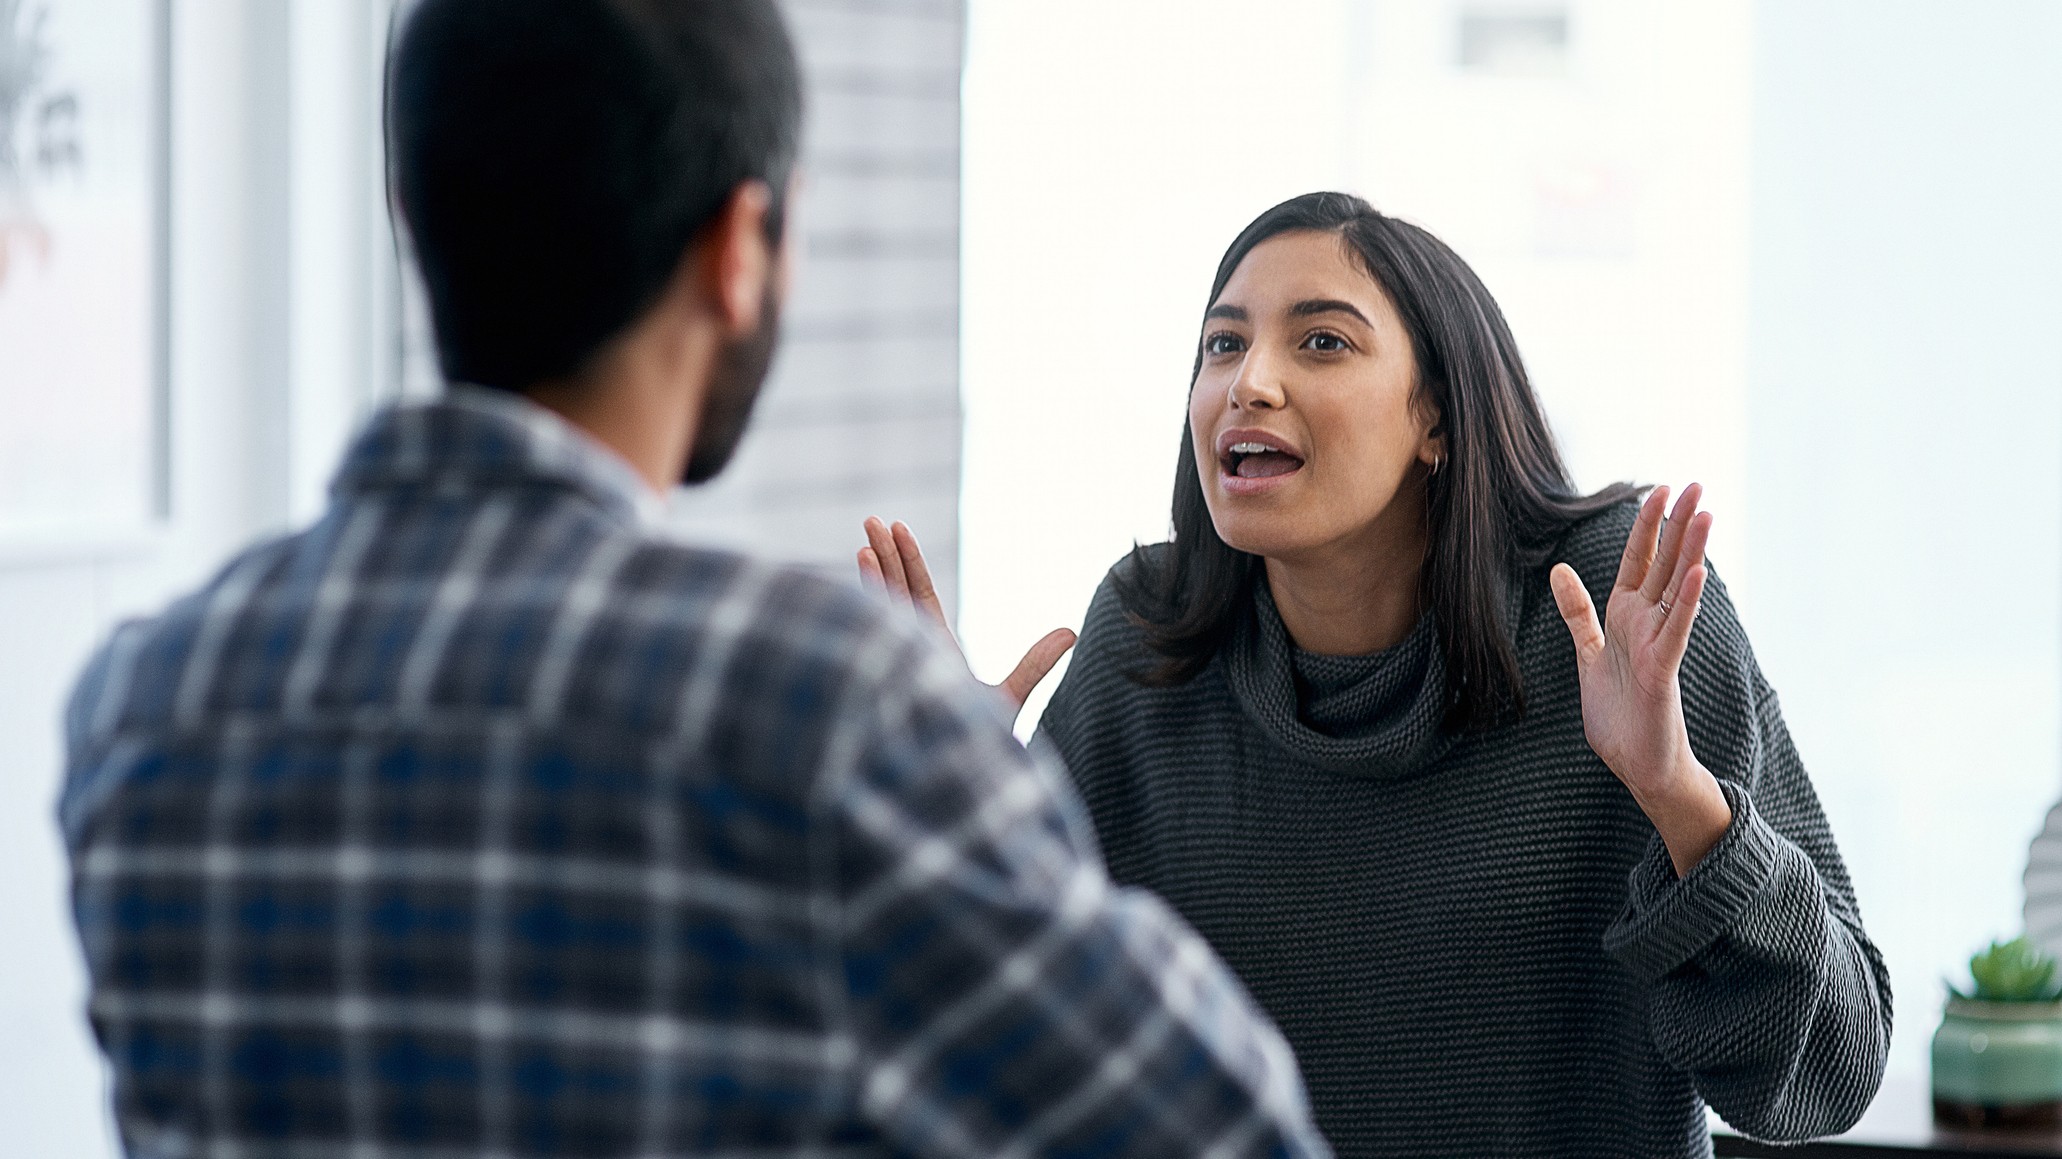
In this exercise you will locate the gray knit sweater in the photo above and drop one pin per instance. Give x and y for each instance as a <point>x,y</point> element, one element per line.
<point>1477,945</point>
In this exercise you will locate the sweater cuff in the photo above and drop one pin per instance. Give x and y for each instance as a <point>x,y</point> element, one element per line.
<point>1668,920</point>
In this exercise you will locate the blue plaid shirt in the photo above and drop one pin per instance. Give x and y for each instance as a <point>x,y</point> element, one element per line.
<point>480,820</point>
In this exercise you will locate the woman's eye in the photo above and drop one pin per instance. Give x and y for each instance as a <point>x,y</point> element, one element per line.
<point>1325,343</point>
<point>1218,344</point>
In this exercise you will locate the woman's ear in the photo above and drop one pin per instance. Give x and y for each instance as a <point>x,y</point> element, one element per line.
<point>1432,449</point>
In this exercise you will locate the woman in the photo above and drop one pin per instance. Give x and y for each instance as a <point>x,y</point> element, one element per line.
<point>1504,895</point>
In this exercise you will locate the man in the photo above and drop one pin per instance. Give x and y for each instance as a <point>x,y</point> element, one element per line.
<point>478,820</point>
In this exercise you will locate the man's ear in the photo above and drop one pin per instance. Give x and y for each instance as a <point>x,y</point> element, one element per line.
<point>739,262</point>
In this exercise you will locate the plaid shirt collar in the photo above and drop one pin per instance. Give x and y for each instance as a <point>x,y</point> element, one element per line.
<point>480,437</point>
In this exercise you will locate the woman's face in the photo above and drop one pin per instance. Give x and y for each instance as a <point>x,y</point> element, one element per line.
<point>1308,432</point>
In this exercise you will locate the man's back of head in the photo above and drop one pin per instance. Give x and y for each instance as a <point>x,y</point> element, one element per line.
<point>554,160</point>
<point>480,819</point>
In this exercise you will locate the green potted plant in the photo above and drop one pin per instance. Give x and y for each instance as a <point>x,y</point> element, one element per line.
<point>1997,1057</point>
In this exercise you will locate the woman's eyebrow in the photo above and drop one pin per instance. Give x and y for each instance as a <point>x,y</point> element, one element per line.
<point>1223,310</point>
<point>1312,306</point>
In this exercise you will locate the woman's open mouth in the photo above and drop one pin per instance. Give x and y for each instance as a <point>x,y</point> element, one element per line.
<point>1259,461</point>
<point>1250,462</point>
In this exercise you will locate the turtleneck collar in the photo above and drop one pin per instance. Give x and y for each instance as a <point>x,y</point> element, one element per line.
<point>1377,715</point>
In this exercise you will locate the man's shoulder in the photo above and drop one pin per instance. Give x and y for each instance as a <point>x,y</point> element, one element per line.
<point>140,668</point>
<point>741,631</point>
<point>168,634</point>
<point>619,638</point>
<point>668,586</point>
<point>778,660</point>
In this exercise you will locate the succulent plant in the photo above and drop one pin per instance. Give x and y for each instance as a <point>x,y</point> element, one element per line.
<point>2014,971</point>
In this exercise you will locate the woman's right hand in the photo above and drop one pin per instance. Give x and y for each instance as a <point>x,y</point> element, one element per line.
<point>892,562</point>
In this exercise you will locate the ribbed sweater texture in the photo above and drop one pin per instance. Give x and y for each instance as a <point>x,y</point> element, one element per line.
<point>1477,944</point>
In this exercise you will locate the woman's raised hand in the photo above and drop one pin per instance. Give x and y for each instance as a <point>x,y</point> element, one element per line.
<point>1632,710</point>
<point>892,562</point>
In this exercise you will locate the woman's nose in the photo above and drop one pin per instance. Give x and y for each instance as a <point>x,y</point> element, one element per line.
<point>1256,387</point>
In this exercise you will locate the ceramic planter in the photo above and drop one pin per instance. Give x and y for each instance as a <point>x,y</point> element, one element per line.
<point>1998,1064</point>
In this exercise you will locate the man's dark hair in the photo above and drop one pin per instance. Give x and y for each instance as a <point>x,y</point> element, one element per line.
<point>1500,505</point>
<point>555,159</point>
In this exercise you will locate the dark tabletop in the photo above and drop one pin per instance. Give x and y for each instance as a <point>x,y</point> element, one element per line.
<point>1899,1122</point>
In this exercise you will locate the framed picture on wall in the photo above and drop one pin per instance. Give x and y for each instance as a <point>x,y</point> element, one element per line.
<point>83,140</point>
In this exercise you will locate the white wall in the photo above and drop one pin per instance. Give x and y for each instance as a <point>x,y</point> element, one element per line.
<point>1906,449</point>
<point>1112,152</point>
<point>273,279</point>
<point>1603,197</point>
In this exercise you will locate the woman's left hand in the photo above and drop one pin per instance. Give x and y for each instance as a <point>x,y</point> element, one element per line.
<point>1632,710</point>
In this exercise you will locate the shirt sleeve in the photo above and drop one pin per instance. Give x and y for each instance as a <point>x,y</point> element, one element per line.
<point>1000,995</point>
<point>1766,988</point>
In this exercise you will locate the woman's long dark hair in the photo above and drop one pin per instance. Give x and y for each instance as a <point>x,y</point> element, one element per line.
<point>1501,500</point>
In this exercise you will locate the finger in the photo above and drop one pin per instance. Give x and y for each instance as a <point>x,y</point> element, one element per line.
<point>1694,539</point>
<point>922,591</point>
<point>1578,611</point>
<point>870,570</point>
<point>883,544</point>
<point>1639,543</point>
<point>1682,616</point>
<point>1035,665</point>
<point>1663,572</point>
